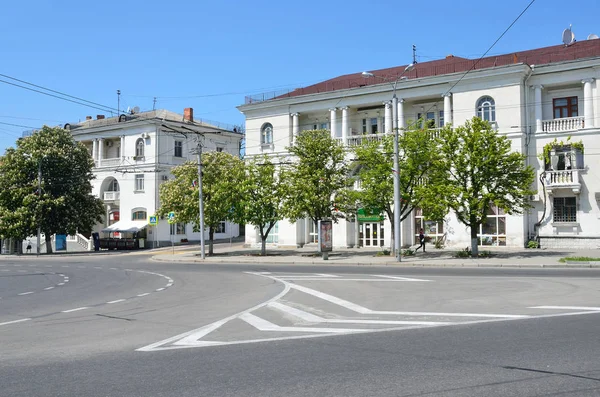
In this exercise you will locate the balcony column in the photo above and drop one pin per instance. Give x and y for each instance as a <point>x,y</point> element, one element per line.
<point>388,117</point>
<point>537,103</point>
<point>100,151</point>
<point>345,125</point>
<point>588,103</point>
<point>401,122</point>
<point>295,126</point>
<point>448,116</point>
<point>122,147</point>
<point>333,121</point>
<point>95,149</point>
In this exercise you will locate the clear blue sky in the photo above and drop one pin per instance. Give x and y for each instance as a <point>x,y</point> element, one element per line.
<point>209,55</point>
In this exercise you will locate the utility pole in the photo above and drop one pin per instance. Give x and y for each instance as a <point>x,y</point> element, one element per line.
<point>414,54</point>
<point>39,220</point>
<point>118,102</point>
<point>154,104</point>
<point>201,200</point>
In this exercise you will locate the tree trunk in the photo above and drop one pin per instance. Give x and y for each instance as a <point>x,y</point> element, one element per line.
<point>48,238</point>
<point>211,235</point>
<point>263,246</point>
<point>474,241</point>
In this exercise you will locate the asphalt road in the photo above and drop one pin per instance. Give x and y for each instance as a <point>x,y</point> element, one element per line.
<point>123,325</point>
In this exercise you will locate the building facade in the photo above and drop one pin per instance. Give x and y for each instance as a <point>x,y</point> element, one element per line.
<point>134,154</point>
<point>544,100</point>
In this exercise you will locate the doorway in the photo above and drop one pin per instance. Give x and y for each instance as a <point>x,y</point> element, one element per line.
<point>371,234</point>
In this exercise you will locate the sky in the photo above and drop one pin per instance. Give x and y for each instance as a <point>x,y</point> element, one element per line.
<point>209,55</point>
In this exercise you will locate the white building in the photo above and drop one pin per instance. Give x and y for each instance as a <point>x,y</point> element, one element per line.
<point>533,97</point>
<point>134,154</point>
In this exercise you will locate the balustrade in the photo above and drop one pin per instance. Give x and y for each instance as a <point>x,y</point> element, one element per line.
<point>562,125</point>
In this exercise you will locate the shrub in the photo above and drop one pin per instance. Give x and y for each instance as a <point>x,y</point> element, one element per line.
<point>408,252</point>
<point>533,244</point>
<point>383,252</point>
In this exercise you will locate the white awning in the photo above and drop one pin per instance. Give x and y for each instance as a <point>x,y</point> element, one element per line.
<point>126,226</point>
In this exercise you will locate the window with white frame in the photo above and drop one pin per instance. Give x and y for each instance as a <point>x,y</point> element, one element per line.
<point>364,126</point>
<point>140,215</point>
<point>373,127</point>
<point>486,108</point>
<point>564,209</point>
<point>139,182</point>
<point>177,228</point>
<point>313,235</point>
<point>266,134</point>
<point>433,230</point>
<point>273,237</point>
<point>493,229</point>
<point>139,148</point>
<point>178,149</point>
<point>441,118</point>
<point>220,227</point>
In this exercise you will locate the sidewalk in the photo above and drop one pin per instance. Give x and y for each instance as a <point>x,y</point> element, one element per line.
<point>501,257</point>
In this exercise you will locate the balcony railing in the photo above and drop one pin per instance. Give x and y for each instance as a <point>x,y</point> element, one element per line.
<point>358,140</point>
<point>112,196</point>
<point>563,179</point>
<point>107,162</point>
<point>563,125</point>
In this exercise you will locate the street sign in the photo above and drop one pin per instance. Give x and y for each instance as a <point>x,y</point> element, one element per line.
<point>171,217</point>
<point>152,220</point>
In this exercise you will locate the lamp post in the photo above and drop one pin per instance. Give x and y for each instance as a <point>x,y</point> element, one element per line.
<point>396,170</point>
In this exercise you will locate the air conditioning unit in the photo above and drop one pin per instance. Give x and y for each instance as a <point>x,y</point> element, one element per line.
<point>534,197</point>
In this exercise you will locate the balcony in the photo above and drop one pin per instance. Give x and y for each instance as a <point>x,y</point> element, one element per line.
<point>112,196</point>
<point>113,162</point>
<point>563,179</point>
<point>563,125</point>
<point>357,140</point>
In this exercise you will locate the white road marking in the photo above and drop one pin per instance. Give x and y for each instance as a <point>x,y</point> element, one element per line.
<point>326,275</point>
<point>60,284</point>
<point>400,278</point>
<point>74,310</point>
<point>566,308</point>
<point>117,301</point>
<point>113,268</point>
<point>372,280</point>
<point>98,267</point>
<point>168,285</point>
<point>22,271</point>
<point>147,293</point>
<point>159,289</point>
<point>49,288</point>
<point>65,266</point>
<point>6,270</point>
<point>26,293</point>
<point>264,325</point>
<point>312,276</point>
<point>316,319</point>
<point>15,321</point>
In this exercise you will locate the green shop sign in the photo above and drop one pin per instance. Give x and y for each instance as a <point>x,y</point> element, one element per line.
<point>369,215</point>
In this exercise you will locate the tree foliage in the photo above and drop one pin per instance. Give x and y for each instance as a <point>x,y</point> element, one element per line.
<point>65,204</point>
<point>479,170</point>
<point>318,171</point>
<point>222,174</point>
<point>263,192</point>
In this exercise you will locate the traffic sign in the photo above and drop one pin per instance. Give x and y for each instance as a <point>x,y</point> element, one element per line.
<point>152,220</point>
<point>171,217</point>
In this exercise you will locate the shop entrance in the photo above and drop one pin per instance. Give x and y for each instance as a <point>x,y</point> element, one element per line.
<point>371,234</point>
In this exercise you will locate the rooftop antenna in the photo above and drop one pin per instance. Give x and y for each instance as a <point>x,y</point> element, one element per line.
<point>568,37</point>
<point>154,104</point>
<point>593,37</point>
<point>118,102</point>
<point>414,54</point>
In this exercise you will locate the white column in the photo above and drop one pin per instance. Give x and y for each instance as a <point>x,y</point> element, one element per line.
<point>379,124</point>
<point>537,104</point>
<point>345,125</point>
<point>388,117</point>
<point>95,149</point>
<point>448,119</point>
<point>588,103</point>
<point>333,121</point>
<point>401,122</point>
<point>295,125</point>
<point>100,151</point>
<point>122,146</point>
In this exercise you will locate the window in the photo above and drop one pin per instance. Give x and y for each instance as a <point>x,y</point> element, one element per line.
<point>364,126</point>
<point>321,126</point>
<point>441,118</point>
<point>177,228</point>
<point>178,149</point>
<point>486,109</point>
<point>313,236</point>
<point>565,107</point>
<point>266,134</point>
<point>219,149</point>
<point>220,227</point>
<point>139,216</point>
<point>565,209</point>
<point>139,148</point>
<point>273,237</point>
<point>139,182</point>
<point>113,186</point>
<point>432,229</point>
<point>493,230</point>
<point>428,121</point>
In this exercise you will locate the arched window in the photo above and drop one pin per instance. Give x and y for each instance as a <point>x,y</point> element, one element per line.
<point>266,134</point>
<point>139,215</point>
<point>139,148</point>
<point>486,108</point>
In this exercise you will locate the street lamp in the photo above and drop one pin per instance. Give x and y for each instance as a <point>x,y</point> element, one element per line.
<point>396,170</point>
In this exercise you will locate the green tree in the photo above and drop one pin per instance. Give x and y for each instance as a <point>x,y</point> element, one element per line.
<point>318,171</point>
<point>480,170</point>
<point>65,204</point>
<point>263,191</point>
<point>374,161</point>
<point>222,174</point>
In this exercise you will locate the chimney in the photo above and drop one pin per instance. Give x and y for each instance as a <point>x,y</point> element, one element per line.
<point>188,114</point>
<point>99,117</point>
<point>88,117</point>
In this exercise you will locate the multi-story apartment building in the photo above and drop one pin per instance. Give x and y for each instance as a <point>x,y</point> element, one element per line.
<point>134,153</point>
<point>533,97</point>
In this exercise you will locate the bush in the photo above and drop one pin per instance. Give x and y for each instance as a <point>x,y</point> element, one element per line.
<point>383,252</point>
<point>463,253</point>
<point>408,252</point>
<point>533,244</point>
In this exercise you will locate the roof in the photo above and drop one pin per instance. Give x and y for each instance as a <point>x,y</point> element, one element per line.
<point>450,64</point>
<point>126,226</point>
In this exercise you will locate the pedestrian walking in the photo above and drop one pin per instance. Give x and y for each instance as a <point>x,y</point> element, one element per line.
<point>421,241</point>
<point>28,247</point>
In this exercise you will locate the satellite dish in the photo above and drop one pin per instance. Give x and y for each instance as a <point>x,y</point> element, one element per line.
<point>593,37</point>
<point>568,37</point>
